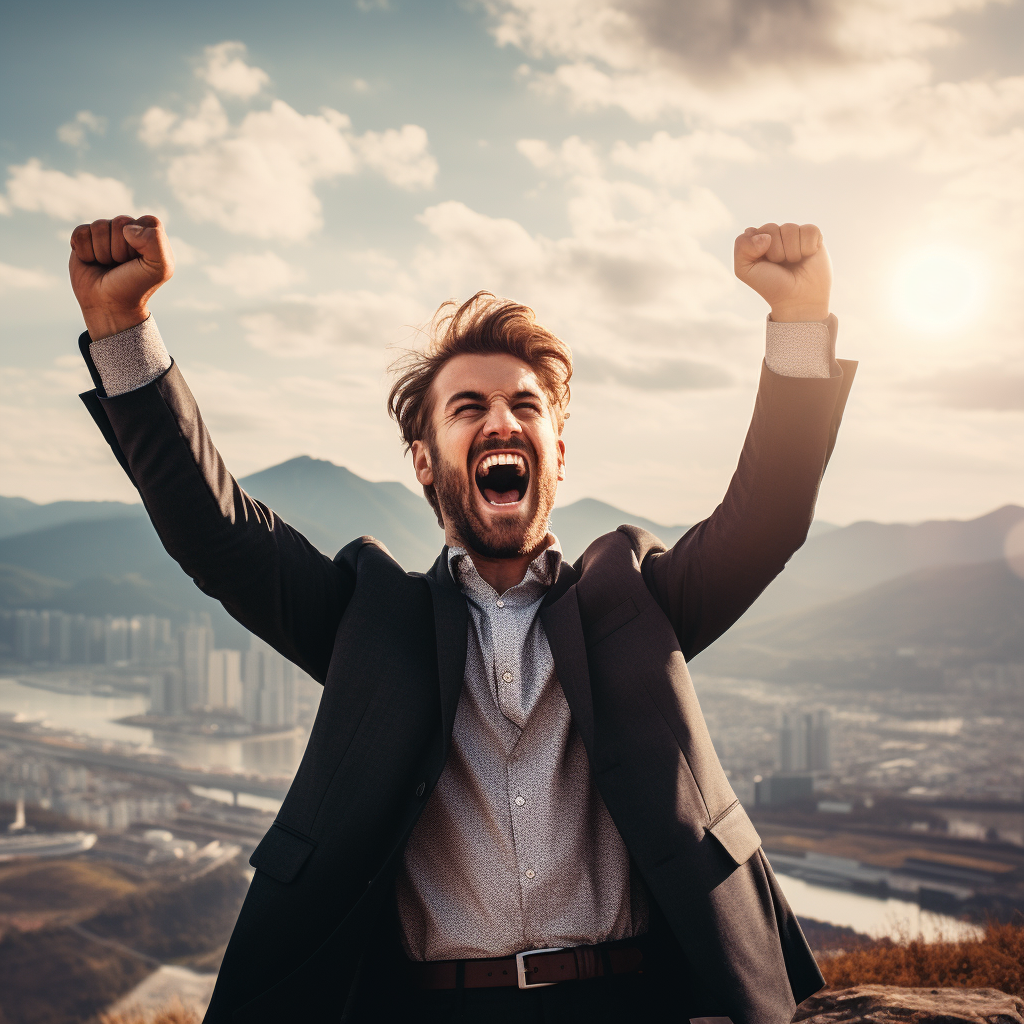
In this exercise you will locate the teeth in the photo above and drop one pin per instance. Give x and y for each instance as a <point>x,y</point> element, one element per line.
<point>503,459</point>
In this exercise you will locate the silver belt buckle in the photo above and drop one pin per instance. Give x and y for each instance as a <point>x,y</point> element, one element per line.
<point>521,967</point>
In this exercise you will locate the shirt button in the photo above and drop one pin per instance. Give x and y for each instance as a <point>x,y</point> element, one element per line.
<point>520,801</point>
<point>501,604</point>
<point>506,676</point>
<point>529,874</point>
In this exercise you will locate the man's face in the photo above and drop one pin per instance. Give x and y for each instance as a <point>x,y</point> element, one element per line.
<point>495,457</point>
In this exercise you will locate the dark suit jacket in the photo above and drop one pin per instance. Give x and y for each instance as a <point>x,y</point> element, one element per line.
<point>390,648</point>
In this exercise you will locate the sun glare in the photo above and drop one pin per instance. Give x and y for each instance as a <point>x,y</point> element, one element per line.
<point>939,287</point>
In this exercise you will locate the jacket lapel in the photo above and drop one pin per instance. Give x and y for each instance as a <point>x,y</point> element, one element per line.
<point>560,614</point>
<point>451,625</point>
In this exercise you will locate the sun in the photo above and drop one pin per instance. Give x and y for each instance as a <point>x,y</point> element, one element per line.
<point>938,288</point>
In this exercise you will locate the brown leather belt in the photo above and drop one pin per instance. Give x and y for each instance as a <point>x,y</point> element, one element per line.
<point>534,968</point>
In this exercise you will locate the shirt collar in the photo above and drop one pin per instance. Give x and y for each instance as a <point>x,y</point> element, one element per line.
<point>540,575</point>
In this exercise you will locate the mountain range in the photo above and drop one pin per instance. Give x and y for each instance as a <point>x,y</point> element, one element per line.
<point>867,587</point>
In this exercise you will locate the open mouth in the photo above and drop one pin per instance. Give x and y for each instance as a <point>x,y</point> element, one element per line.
<point>502,478</point>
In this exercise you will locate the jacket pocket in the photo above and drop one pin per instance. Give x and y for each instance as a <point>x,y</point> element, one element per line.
<point>613,620</point>
<point>281,853</point>
<point>736,832</point>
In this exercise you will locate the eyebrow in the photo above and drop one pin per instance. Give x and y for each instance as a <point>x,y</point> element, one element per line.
<point>476,396</point>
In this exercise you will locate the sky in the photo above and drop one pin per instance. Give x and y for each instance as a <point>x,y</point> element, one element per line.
<point>330,173</point>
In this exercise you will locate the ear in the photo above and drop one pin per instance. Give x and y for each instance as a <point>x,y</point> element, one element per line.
<point>421,464</point>
<point>561,459</point>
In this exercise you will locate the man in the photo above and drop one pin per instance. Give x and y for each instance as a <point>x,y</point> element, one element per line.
<point>509,756</point>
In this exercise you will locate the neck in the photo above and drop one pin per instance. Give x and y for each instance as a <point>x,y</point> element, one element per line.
<point>501,573</point>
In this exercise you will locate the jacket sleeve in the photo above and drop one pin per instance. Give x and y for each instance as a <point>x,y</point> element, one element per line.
<point>709,578</point>
<point>265,573</point>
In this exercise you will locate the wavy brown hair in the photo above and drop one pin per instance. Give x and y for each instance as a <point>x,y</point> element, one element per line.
<point>483,325</point>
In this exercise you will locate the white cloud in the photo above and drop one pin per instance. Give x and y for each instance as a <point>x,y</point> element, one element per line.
<point>632,268</point>
<point>841,77</point>
<point>630,283</point>
<point>250,274</point>
<point>401,156</point>
<point>227,72</point>
<point>574,156</point>
<point>339,323</point>
<point>259,177</point>
<point>185,255</point>
<point>672,160</point>
<point>940,126</point>
<point>78,197</point>
<point>75,131</point>
<point>155,126</point>
<point>19,279</point>
<point>655,56</point>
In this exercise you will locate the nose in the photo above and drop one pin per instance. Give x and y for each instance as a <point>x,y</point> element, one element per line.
<point>500,421</point>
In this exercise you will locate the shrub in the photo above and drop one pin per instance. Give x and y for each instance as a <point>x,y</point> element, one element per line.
<point>995,960</point>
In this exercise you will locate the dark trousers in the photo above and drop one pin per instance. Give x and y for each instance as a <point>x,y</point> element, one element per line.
<point>624,999</point>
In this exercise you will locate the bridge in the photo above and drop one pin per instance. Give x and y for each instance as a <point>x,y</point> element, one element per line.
<point>234,783</point>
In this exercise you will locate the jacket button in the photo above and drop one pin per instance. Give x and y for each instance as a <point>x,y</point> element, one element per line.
<point>421,789</point>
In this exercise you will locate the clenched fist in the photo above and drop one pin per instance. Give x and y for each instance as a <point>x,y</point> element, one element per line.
<point>115,266</point>
<point>788,266</point>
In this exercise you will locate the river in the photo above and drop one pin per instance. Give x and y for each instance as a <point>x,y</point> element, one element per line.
<point>94,715</point>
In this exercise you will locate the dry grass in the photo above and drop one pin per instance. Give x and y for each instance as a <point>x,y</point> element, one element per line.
<point>175,1013</point>
<point>996,960</point>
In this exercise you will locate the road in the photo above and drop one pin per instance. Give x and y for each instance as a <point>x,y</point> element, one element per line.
<point>274,787</point>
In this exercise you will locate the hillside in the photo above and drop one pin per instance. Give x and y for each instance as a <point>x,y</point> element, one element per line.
<point>903,630</point>
<point>970,610</point>
<point>19,515</point>
<point>331,506</point>
<point>576,525</point>
<point>100,943</point>
<point>328,503</point>
<point>846,561</point>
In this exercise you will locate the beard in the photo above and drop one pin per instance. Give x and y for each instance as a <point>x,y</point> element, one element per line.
<point>514,534</point>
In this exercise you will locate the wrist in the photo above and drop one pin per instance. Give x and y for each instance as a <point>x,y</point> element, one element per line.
<point>800,313</point>
<point>104,321</point>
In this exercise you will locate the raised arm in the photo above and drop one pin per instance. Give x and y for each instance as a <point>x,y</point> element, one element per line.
<point>266,574</point>
<point>713,574</point>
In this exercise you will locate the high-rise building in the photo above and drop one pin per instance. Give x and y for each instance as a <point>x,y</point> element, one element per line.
<point>195,641</point>
<point>224,680</point>
<point>31,636</point>
<point>819,751</point>
<point>167,692</point>
<point>268,690</point>
<point>805,741</point>
<point>149,640</point>
<point>115,635</point>
<point>58,638</point>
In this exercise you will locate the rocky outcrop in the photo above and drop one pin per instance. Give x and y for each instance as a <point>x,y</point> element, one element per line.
<point>886,1004</point>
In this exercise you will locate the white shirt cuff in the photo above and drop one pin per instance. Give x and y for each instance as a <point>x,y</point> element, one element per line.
<point>130,360</point>
<point>802,348</point>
